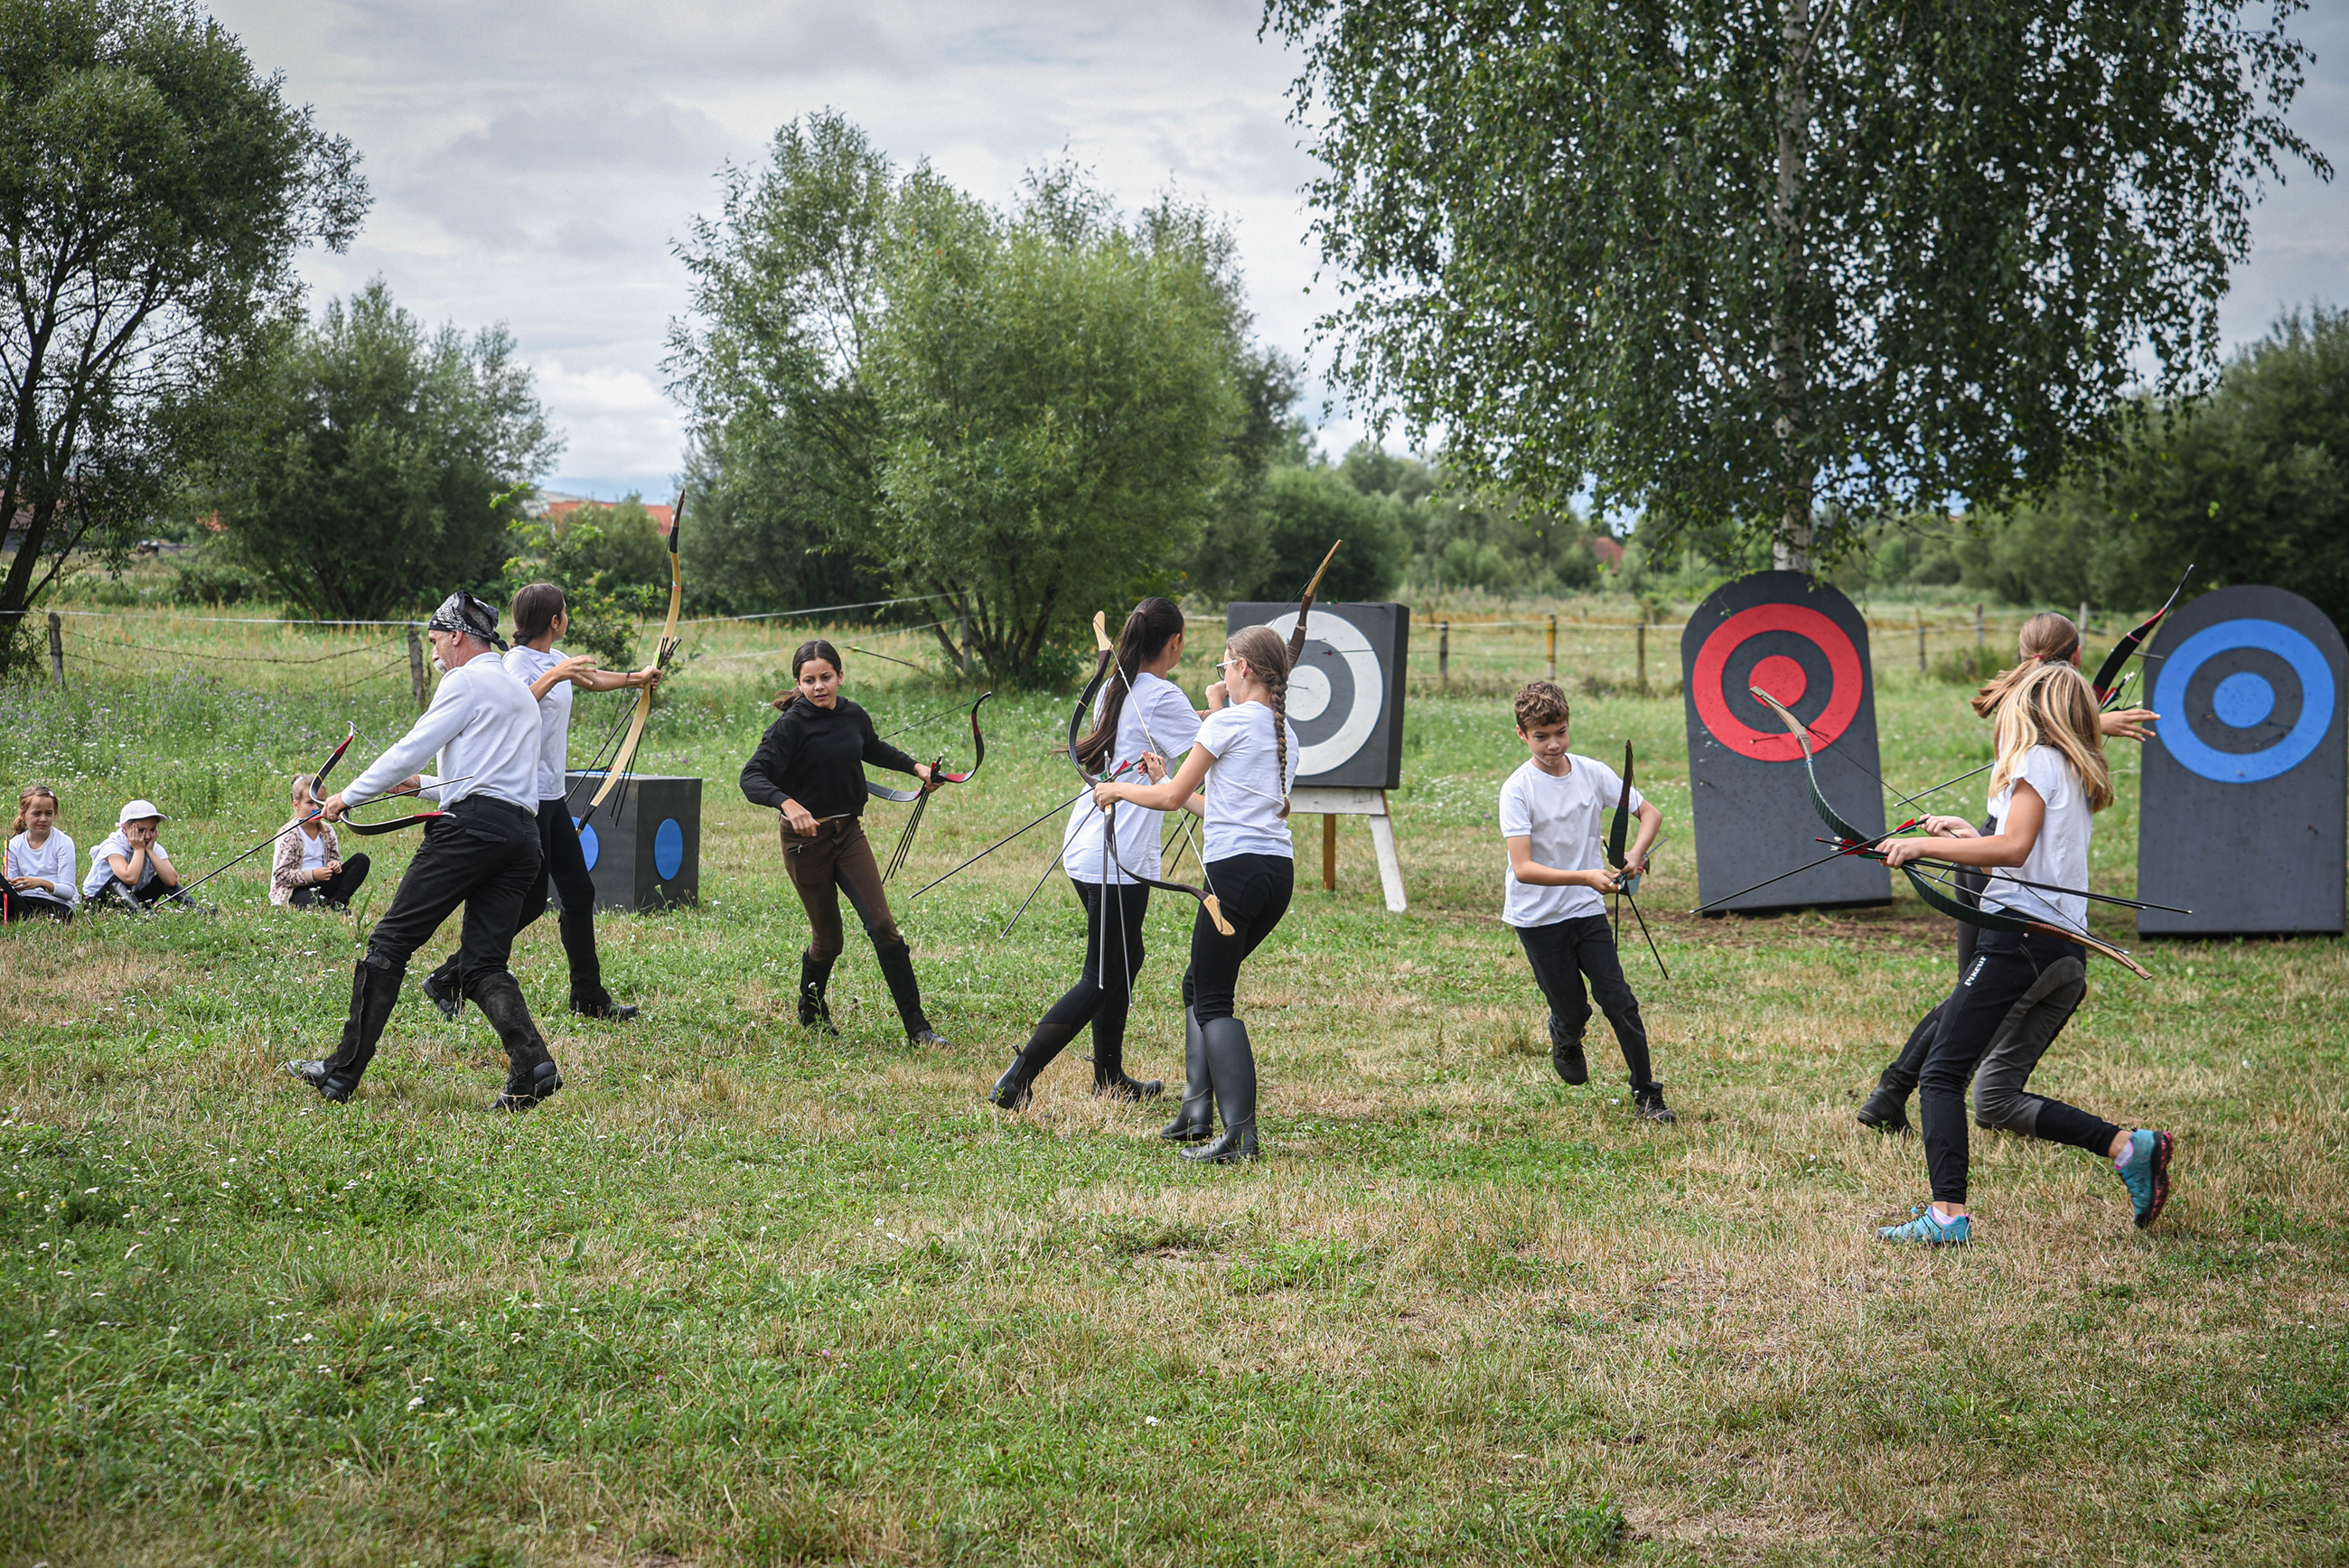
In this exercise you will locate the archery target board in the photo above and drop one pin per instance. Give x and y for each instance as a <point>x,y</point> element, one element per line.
<point>1808,646</point>
<point>643,846</point>
<point>1345,696</point>
<point>2244,789</point>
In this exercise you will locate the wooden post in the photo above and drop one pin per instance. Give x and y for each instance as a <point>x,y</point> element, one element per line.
<point>2082,623</point>
<point>56,650</point>
<point>416,677</point>
<point>1978,627</point>
<point>1553,650</point>
<point>1328,851</point>
<point>1643,655</point>
<point>1443,654</point>
<point>1920,642</point>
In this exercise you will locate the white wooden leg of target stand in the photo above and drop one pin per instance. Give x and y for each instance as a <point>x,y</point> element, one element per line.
<point>1371,803</point>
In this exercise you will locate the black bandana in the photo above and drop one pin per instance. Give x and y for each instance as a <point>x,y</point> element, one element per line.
<point>464,614</point>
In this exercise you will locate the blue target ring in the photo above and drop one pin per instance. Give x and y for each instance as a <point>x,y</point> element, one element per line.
<point>668,849</point>
<point>2244,699</point>
<point>588,845</point>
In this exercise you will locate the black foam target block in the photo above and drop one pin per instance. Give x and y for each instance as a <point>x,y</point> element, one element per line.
<point>644,844</point>
<point>2241,818</point>
<point>1345,697</point>
<point>1807,645</point>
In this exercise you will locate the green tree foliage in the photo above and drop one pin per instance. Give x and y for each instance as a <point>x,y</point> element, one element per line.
<point>1776,265</point>
<point>1450,540</point>
<point>154,192</point>
<point>612,564</point>
<point>1307,508</point>
<point>1033,413</point>
<point>369,465</point>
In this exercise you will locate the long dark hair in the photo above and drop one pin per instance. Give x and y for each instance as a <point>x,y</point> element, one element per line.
<point>534,609</point>
<point>1154,623</point>
<point>813,648</point>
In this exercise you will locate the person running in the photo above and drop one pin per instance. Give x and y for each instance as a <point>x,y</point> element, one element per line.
<point>1141,717</point>
<point>541,616</point>
<point>810,767</point>
<point>2049,781</point>
<point>41,860</point>
<point>129,869</point>
<point>308,868</point>
<point>1554,816</point>
<point>482,852</point>
<point>1246,752</point>
<point>2025,1033</point>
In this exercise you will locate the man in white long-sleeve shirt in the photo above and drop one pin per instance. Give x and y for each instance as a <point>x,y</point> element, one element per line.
<point>482,854</point>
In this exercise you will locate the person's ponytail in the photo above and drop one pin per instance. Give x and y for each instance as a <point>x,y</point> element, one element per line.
<point>1153,624</point>
<point>2047,639</point>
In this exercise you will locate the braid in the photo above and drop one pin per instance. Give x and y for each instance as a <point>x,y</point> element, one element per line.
<point>1280,743</point>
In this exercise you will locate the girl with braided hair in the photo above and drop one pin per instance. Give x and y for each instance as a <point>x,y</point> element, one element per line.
<point>1141,717</point>
<point>1247,755</point>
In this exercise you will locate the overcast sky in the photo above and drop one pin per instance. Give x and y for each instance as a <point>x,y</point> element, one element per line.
<point>534,163</point>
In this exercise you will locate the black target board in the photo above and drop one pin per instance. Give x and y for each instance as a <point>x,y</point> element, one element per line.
<point>1805,644</point>
<point>1345,696</point>
<point>2240,818</point>
<point>644,847</point>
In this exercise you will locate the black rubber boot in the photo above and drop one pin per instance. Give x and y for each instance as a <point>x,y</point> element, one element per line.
<point>1111,1081</point>
<point>897,968</point>
<point>815,1013</point>
<point>531,1072</point>
<point>1565,1055</point>
<point>1886,1107</point>
<point>444,988</point>
<point>1231,1066</point>
<point>1018,1085</point>
<point>373,992</point>
<point>1197,1120</point>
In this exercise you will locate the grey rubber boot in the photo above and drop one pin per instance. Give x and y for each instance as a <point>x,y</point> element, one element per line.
<point>1231,1065</point>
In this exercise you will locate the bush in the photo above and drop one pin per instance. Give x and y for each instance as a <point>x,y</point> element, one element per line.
<point>208,580</point>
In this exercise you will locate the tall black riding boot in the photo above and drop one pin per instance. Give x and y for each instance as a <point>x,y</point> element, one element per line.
<point>1196,1118</point>
<point>1887,1108</point>
<point>815,1013</point>
<point>897,968</point>
<point>445,988</point>
<point>1111,1081</point>
<point>373,992</point>
<point>1231,1065</point>
<point>1017,1084</point>
<point>531,1073</point>
<point>588,997</point>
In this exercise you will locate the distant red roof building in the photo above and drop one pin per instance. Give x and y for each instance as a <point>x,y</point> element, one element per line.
<point>1609,552</point>
<point>560,507</point>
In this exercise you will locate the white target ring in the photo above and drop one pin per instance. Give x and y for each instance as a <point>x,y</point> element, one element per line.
<point>1309,690</point>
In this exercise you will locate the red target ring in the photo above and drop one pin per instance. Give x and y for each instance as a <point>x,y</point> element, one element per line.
<point>1712,664</point>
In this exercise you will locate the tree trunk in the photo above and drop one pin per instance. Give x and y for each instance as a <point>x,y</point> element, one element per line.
<point>1791,542</point>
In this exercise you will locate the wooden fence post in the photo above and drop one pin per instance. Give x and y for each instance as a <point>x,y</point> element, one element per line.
<point>1643,655</point>
<point>1553,650</point>
<point>416,677</point>
<point>56,650</point>
<point>1443,654</point>
<point>1978,627</point>
<point>1920,642</point>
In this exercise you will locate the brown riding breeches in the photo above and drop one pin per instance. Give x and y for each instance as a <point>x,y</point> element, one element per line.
<point>838,857</point>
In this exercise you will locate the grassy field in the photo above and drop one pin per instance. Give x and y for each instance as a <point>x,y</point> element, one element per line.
<point>740,1295</point>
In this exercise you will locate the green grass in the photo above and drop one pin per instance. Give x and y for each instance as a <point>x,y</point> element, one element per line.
<point>740,1295</point>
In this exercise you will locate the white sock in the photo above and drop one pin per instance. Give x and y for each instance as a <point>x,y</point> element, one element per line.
<point>2128,1152</point>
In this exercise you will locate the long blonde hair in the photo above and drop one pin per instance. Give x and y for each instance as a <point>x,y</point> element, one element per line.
<point>2047,639</point>
<point>2048,703</point>
<point>1267,660</point>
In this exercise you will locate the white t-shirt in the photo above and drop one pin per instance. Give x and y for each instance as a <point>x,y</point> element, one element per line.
<point>313,850</point>
<point>118,843</point>
<point>1244,792</point>
<point>1156,711</point>
<point>2061,854</point>
<point>1567,817</point>
<point>553,718</point>
<point>54,861</point>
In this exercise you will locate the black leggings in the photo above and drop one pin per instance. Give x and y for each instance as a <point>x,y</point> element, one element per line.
<point>21,906</point>
<point>1562,953</point>
<point>2008,965</point>
<point>336,889</point>
<point>1103,993</point>
<point>1254,891</point>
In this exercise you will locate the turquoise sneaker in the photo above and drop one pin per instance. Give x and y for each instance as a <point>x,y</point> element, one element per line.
<point>1930,1229</point>
<point>2146,1175</point>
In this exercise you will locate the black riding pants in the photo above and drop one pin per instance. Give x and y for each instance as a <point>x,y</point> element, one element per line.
<point>1566,953</point>
<point>562,865</point>
<point>1254,891</point>
<point>483,854</point>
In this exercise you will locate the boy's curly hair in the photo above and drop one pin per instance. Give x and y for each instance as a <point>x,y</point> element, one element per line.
<point>1541,702</point>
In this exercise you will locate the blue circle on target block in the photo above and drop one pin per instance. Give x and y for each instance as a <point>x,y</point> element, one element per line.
<point>2243,700</point>
<point>587,844</point>
<point>668,849</point>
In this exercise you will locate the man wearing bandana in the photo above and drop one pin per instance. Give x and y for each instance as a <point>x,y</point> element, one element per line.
<point>482,853</point>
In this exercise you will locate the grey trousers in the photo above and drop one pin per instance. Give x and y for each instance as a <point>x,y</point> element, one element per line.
<point>2023,1036</point>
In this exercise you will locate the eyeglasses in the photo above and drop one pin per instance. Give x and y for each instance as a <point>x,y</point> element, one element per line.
<point>1223,664</point>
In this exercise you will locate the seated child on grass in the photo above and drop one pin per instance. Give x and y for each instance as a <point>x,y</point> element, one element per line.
<point>1554,816</point>
<point>128,869</point>
<point>40,860</point>
<point>308,868</point>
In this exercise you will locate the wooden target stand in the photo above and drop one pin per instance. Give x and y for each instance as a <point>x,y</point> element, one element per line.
<point>1333,804</point>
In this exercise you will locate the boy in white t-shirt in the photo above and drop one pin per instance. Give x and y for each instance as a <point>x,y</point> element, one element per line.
<point>1554,815</point>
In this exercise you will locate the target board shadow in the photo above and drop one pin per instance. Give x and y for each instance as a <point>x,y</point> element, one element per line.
<point>1805,644</point>
<point>2241,818</point>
